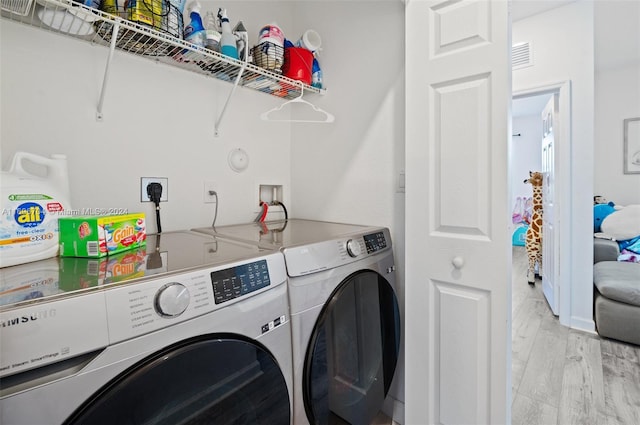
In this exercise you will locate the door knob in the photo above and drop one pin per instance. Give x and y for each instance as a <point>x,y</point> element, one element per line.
<point>458,262</point>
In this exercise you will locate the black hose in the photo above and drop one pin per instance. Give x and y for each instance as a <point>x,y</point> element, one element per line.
<point>286,214</point>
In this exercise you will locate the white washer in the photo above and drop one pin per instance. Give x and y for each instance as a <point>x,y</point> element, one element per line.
<point>345,317</point>
<point>195,331</point>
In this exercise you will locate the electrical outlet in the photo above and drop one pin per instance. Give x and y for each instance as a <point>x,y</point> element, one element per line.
<point>209,194</point>
<point>144,182</point>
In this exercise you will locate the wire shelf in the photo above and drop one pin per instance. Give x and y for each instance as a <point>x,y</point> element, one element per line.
<point>19,7</point>
<point>75,20</point>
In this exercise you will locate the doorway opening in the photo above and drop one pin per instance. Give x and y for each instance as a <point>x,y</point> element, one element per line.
<point>527,153</point>
<point>530,150</point>
<point>526,156</point>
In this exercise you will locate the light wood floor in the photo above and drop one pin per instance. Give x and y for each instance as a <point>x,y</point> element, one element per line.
<point>563,376</point>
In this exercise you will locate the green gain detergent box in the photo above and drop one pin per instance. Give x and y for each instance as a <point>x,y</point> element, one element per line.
<point>89,272</point>
<point>98,236</point>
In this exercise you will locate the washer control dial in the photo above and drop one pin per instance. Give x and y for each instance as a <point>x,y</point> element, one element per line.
<point>353,248</point>
<point>172,299</point>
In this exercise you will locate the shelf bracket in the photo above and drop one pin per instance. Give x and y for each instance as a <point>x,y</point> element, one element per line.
<point>216,128</point>
<point>112,48</point>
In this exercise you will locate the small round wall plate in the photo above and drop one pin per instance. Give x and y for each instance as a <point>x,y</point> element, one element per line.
<point>238,160</point>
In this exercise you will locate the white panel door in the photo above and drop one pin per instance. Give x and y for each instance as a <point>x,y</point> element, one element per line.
<point>458,252</point>
<point>550,282</point>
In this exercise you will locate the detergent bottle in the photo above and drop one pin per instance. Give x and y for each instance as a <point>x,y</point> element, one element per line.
<point>211,31</point>
<point>31,206</point>
<point>316,74</point>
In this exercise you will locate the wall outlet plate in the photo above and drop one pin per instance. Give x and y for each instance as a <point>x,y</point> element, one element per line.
<point>144,182</point>
<point>269,193</point>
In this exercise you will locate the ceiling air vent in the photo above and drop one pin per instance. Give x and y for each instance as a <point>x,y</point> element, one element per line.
<point>521,55</point>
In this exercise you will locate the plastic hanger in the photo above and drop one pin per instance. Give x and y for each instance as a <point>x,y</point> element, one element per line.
<point>328,117</point>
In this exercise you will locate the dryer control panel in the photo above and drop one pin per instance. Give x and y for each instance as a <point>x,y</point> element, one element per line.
<point>316,257</point>
<point>375,242</point>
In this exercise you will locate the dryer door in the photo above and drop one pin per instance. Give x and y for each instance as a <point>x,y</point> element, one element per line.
<point>218,379</point>
<point>352,352</point>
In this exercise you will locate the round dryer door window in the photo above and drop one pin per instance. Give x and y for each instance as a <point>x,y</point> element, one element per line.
<point>353,352</point>
<point>220,379</point>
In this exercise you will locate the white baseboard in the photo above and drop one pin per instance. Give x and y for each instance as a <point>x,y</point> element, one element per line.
<point>582,324</point>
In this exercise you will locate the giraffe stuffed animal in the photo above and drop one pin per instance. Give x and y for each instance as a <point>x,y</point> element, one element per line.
<point>533,241</point>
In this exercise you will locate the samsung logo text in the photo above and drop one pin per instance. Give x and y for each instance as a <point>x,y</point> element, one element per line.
<point>39,315</point>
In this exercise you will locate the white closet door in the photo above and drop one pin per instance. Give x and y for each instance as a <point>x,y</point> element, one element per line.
<point>550,252</point>
<point>458,252</point>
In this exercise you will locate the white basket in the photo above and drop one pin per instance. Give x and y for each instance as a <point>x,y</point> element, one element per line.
<point>19,7</point>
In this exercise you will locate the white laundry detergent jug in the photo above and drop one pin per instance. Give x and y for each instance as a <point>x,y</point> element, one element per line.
<point>31,206</point>
<point>30,281</point>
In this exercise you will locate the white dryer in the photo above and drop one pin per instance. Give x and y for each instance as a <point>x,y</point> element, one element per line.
<point>195,330</point>
<point>345,317</point>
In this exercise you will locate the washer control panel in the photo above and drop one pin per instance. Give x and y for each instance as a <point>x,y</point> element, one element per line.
<point>241,280</point>
<point>147,306</point>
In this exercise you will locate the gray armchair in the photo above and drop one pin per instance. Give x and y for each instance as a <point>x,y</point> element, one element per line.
<point>617,293</point>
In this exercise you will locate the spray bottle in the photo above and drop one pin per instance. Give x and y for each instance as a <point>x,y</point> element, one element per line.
<point>194,32</point>
<point>228,41</point>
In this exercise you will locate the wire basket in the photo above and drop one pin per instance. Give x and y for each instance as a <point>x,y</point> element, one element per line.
<point>269,56</point>
<point>18,7</point>
<point>160,15</point>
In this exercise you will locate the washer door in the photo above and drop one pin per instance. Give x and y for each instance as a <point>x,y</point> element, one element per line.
<point>353,352</point>
<point>220,379</point>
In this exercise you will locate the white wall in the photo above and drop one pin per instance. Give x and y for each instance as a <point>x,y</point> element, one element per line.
<point>158,122</point>
<point>562,42</point>
<point>347,171</point>
<point>526,154</point>
<point>617,96</point>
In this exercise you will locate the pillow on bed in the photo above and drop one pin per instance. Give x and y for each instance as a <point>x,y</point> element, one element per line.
<point>623,224</point>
